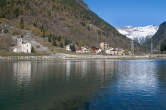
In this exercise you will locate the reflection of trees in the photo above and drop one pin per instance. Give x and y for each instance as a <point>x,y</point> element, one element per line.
<point>63,84</point>
<point>161,71</point>
<point>105,69</point>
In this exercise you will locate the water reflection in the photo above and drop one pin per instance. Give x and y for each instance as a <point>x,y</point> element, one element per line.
<point>68,69</point>
<point>22,71</point>
<point>70,84</point>
<point>137,76</point>
<point>135,86</point>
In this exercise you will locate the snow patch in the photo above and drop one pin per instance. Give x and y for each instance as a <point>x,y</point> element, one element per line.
<point>140,33</point>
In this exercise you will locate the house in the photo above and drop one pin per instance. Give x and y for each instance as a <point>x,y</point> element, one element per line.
<point>104,45</point>
<point>68,47</point>
<point>79,50</point>
<point>83,50</point>
<point>99,51</point>
<point>22,47</point>
<point>121,52</point>
<point>96,50</point>
<point>4,27</point>
<point>116,51</point>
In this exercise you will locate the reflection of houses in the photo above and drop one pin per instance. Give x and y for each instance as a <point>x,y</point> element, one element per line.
<point>81,68</point>
<point>22,71</point>
<point>22,47</point>
<point>104,45</point>
<point>68,69</point>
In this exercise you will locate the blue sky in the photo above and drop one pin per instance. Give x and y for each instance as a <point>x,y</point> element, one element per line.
<point>130,12</point>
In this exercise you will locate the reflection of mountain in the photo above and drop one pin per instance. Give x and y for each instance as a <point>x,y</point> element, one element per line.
<point>138,76</point>
<point>22,71</point>
<point>135,85</point>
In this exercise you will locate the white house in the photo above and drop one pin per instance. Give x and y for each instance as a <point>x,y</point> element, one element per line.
<point>22,47</point>
<point>68,47</point>
<point>98,51</point>
<point>116,51</point>
<point>83,50</point>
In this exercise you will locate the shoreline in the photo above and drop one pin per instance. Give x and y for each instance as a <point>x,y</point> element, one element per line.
<point>64,56</point>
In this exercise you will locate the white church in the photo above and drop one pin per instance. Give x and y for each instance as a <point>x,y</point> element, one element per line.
<point>22,47</point>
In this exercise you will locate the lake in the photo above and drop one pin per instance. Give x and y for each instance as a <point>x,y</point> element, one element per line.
<point>83,85</point>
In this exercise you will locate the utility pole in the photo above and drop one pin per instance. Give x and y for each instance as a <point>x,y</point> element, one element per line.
<point>159,47</point>
<point>132,47</point>
<point>151,46</point>
<point>97,37</point>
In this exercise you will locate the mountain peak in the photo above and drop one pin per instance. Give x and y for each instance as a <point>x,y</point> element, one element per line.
<point>82,3</point>
<point>139,33</point>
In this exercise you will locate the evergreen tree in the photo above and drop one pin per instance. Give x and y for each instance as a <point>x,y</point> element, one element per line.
<point>163,47</point>
<point>61,45</point>
<point>50,38</point>
<point>17,12</point>
<point>22,23</point>
<point>33,50</point>
<point>43,33</point>
<point>54,43</point>
<point>72,47</point>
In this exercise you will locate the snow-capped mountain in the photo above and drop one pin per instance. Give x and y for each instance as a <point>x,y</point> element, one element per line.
<point>140,34</point>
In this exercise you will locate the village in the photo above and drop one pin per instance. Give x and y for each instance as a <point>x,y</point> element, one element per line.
<point>23,46</point>
<point>104,49</point>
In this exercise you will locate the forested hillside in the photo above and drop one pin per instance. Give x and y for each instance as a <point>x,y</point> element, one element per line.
<point>63,21</point>
<point>158,40</point>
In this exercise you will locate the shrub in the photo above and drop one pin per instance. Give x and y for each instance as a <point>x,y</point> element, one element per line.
<point>17,32</point>
<point>54,43</point>
<point>33,50</point>
<point>72,47</point>
<point>22,23</point>
<point>17,12</point>
<point>61,45</point>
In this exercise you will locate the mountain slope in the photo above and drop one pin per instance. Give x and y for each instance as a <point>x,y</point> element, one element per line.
<point>140,34</point>
<point>159,38</point>
<point>70,19</point>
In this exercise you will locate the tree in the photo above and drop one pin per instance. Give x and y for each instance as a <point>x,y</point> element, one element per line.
<point>50,38</point>
<point>83,43</point>
<point>33,50</point>
<point>17,12</point>
<point>22,23</point>
<point>59,38</point>
<point>61,45</point>
<point>72,47</point>
<point>67,42</point>
<point>44,33</point>
<point>54,43</point>
<point>163,47</point>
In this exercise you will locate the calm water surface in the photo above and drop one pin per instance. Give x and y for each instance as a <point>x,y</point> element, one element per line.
<point>83,85</point>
